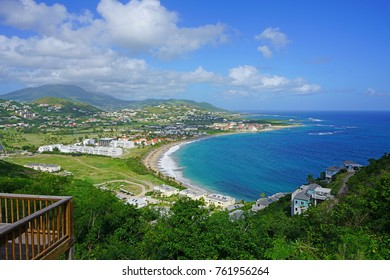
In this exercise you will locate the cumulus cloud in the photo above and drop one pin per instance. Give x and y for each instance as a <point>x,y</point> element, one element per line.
<point>83,50</point>
<point>248,78</point>
<point>37,61</point>
<point>147,25</point>
<point>272,38</point>
<point>307,88</point>
<point>29,15</point>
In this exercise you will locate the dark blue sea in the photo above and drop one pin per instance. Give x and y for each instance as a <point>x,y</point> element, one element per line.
<point>246,165</point>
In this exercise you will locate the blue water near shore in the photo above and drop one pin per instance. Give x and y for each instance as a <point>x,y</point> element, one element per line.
<point>246,165</point>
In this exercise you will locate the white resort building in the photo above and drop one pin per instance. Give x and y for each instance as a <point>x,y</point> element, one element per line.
<point>165,190</point>
<point>137,202</point>
<point>193,194</point>
<point>103,151</point>
<point>122,144</point>
<point>220,200</point>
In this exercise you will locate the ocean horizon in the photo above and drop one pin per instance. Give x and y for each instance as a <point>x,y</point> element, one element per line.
<point>246,165</point>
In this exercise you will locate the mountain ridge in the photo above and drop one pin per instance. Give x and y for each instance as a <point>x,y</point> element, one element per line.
<point>100,100</point>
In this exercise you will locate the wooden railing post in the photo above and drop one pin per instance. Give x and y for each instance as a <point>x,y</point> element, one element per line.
<point>46,233</point>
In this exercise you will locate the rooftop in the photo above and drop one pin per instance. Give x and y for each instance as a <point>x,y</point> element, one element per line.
<point>333,168</point>
<point>302,196</point>
<point>220,197</point>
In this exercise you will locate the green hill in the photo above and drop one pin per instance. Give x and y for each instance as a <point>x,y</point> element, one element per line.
<point>69,92</point>
<point>103,101</point>
<point>67,106</point>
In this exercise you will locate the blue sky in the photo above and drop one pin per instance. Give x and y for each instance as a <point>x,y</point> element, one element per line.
<point>250,54</point>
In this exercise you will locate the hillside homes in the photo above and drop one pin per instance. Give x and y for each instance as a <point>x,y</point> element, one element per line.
<point>307,195</point>
<point>219,200</point>
<point>263,202</point>
<point>165,190</point>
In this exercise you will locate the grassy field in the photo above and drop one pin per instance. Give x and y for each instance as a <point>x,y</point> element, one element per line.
<point>93,169</point>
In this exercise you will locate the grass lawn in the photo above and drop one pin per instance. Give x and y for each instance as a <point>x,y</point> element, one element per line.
<point>90,168</point>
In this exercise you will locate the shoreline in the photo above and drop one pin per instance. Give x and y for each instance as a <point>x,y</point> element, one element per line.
<point>154,159</point>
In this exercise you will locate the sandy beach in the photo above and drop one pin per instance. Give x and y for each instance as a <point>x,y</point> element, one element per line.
<point>159,160</point>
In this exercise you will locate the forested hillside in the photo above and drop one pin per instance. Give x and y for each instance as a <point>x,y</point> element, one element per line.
<point>354,226</point>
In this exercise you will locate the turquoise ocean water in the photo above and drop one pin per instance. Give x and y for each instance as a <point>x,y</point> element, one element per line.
<point>246,165</point>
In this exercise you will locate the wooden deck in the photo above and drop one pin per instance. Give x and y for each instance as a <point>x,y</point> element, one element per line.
<point>35,227</point>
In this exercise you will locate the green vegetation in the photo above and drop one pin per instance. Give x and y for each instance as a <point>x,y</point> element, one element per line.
<point>100,100</point>
<point>353,226</point>
<point>67,106</point>
<point>92,169</point>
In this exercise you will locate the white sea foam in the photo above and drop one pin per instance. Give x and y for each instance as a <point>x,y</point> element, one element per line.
<point>325,133</point>
<point>325,125</point>
<point>315,120</point>
<point>169,167</point>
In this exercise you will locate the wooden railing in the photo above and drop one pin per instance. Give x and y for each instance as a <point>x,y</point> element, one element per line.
<point>35,227</point>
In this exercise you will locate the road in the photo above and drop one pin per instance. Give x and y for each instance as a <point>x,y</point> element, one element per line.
<point>344,186</point>
<point>144,185</point>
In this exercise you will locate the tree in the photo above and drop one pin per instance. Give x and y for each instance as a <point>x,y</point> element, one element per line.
<point>310,179</point>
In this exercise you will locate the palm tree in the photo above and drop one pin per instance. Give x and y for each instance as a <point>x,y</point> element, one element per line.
<point>310,179</point>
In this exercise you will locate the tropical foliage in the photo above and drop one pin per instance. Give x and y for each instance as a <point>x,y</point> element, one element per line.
<point>354,226</point>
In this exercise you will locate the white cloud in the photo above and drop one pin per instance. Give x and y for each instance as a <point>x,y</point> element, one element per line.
<point>138,24</point>
<point>199,75</point>
<point>148,26</point>
<point>307,88</point>
<point>265,51</point>
<point>273,38</point>
<point>28,15</point>
<point>236,92</point>
<point>373,92</point>
<point>244,76</point>
<point>248,78</point>
<point>77,49</point>
<point>38,61</point>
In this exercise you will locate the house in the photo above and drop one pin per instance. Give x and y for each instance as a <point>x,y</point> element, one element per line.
<point>49,148</point>
<point>234,207</point>
<point>331,171</point>
<point>263,202</point>
<point>137,202</point>
<point>320,194</point>
<point>236,215</point>
<point>193,194</point>
<point>352,166</point>
<point>307,195</point>
<point>44,167</point>
<point>300,202</point>
<point>220,200</point>
<point>166,190</point>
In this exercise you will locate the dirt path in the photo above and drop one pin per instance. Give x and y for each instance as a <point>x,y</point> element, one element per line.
<point>143,184</point>
<point>344,186</point>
